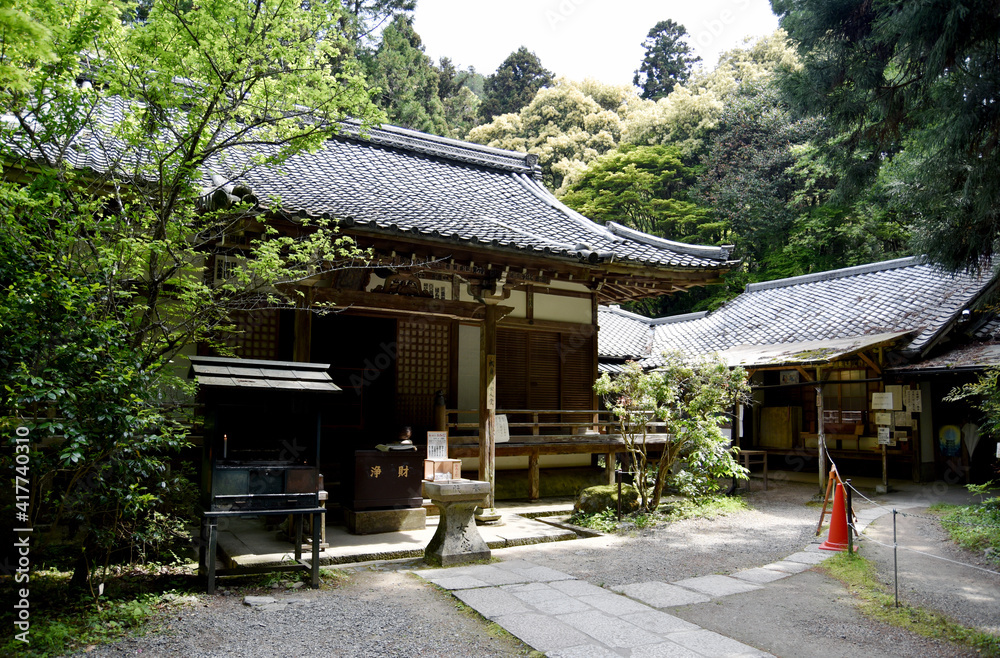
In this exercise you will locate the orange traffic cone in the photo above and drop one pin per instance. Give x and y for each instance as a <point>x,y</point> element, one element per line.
<point>837,538</point>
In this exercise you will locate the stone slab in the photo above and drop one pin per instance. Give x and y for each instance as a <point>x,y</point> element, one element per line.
<point>760,576</point>
<point>668,649</point>
<point>541,632</point>
<point>490,575</point>
<point>661,595</point>
<point>656,621</point>
<point>613,604</point>
<point>808,557</point>
<point>372,522</point>
<point>788,567</point>
<point>584,651</point>
<point>610,631</point>
<point>708,643</point>
<point>576,587</point>
<point>491,602</point>
<point>459,582</point>
<point>717,585</point>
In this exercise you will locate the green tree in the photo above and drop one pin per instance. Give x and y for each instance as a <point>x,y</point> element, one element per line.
<point>112,227</point>
<point>667,62</point>
<point>692,399</point>
<point>914,82</point>
<point>644,187</point>
<point>566,126</point>
<point>514,83</point>
<point>457,94</point>
<point>407,80</point>
<point>361,19</point>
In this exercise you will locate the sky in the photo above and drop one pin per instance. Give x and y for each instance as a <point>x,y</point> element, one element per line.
<point>600,39</point>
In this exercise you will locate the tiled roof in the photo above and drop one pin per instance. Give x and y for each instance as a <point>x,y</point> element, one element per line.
<point>622,335</point>
<point>408,183</point>
<point>405,182</point>
<point>907,294</point>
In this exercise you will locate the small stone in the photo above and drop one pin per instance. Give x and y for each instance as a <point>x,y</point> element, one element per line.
<point>255,601</point>
<point>298,585</point>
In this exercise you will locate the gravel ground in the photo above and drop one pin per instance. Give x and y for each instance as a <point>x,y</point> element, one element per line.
<point>375,613</point>
<point>383,611</point>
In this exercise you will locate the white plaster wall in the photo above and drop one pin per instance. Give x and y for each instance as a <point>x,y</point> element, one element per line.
<point>562,309</point>
<point>468,371</point>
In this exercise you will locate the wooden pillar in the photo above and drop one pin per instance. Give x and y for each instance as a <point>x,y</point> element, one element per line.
<point>488,399</point>
<point>610,464</point>
<point>302,351</point>
<point>534,479</point>
<point>820,433</point>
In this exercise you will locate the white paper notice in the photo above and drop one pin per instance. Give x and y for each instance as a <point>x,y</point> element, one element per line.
<point>883,436</point>
<point>883,418</point>
<point>503,431</point>
<point>437,445</point>
<point>882,401</point>
<point>911,398</point>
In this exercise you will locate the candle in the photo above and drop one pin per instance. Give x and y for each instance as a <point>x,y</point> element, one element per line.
<point>225,445</point>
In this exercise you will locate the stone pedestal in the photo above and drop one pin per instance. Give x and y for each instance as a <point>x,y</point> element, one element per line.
<point>457,540</point>
<point>369,522</point>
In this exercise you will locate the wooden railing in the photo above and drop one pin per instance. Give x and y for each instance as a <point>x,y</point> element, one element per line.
<point>598,437</point>
<point>601,421</point>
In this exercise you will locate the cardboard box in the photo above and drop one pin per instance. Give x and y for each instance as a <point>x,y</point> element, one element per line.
<point>451,468</point>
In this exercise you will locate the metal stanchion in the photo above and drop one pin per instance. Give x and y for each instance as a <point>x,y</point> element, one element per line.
<point>850,518</point>
<point>895,560</point>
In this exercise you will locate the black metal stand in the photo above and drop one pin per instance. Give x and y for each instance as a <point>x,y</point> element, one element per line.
<point>210,537</point>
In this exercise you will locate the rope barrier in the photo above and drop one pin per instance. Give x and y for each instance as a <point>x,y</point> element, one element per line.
<point>866,538</point>
<point>920,516</point>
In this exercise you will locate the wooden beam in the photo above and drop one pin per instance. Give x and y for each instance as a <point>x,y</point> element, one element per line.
<point>874,366</point>
<point>373,301</point>
<point>805,373</point>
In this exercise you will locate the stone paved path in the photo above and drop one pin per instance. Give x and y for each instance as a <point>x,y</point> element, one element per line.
<point>564,617</point>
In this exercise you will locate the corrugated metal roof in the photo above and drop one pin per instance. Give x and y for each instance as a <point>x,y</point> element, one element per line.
<point>252,373</point>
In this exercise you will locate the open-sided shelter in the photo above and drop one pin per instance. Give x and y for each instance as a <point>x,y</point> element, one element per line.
<point>820,347</point>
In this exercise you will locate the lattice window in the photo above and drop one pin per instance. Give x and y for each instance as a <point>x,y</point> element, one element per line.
<point>256,334</point>
<point>422,369</point>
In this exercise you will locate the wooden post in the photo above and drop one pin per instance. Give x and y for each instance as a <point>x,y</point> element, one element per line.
<point>820,434</point>
<point>534,479</point>
<point>488,400</point>
<point>302,351</point>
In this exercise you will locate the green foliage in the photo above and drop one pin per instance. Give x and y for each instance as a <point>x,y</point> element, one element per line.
<point>703,507</point>
<point>105,272</point>
<point>65,621</point>
<point>363,18</point>
<point>514,83</point>
<point>604,521</point>
<point>644,187</point>
<point>667,61</point>
<point>976,527</point>
<point>566,126</point>
<point>692,401</point>
<point>407,80</point>
<point>912,89</point>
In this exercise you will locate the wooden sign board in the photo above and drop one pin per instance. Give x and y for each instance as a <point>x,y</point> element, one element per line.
<point>437,445</point>
<point>883,418</point>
